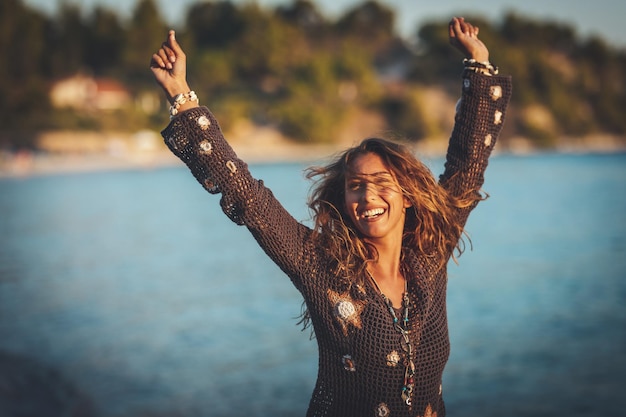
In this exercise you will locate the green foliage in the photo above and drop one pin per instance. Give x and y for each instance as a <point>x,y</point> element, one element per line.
<point>297,70</point>
<point>23,92</point>
<point>311,107</point>
<point>370,22</point>
<point>67,49</point>
<point>214,25</point>
<point>406,115</point>
<point>146,32</point>
<point>580,83</point>
<point>106,41</point>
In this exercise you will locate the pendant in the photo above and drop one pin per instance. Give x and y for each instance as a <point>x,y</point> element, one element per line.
<point>406,396</point>
<point>407,393</point>
<point>409,383</point>
<point>405,344</point>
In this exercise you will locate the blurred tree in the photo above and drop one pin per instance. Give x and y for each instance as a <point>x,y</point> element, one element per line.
<point>23,98</point>
<point>311,108</point>
<point>304,15</point>
<point>214,24</point>
<point>268,47</point>
<point>434,59</point>
<point>371,23</point>
<point>294,69</point>
<point>23,33</point>
<point>145,35</point>
<point>405,116</point>
<point>354,67</point>
<point>212,71</point>
<point>607,92</point>
<point>531,33</point>
<point>105,37</point>
<point>67,44</point>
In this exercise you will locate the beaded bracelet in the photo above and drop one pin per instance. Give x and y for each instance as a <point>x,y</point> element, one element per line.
<point>179,100</point>
<point>486,67</point>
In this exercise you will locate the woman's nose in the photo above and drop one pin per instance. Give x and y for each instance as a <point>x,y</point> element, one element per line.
<point>369,192</point>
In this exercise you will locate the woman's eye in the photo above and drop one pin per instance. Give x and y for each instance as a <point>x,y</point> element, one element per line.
<point>384,184</point>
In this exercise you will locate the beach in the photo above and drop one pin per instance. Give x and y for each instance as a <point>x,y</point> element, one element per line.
<point>76,152</point>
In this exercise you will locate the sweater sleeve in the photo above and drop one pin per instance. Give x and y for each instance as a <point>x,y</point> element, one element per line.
<point>196,138</point>
<point>478,123</point>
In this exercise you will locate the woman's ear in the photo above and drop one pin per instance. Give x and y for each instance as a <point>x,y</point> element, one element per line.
<point>407,202</point>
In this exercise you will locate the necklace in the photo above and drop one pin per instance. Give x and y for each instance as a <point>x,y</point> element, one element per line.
<point>403,328</point>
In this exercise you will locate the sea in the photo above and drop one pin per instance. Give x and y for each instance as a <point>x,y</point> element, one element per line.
<point>132,287</point>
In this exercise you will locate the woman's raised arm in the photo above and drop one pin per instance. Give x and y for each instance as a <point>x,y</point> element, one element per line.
<point>169,67</point>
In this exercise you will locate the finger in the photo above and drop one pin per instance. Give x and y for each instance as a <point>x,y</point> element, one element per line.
<point>165,57</point>
<point>166,52</point>
<point>462,22</point>
<point>457,27</point>
<point>463,31</point>
<point>466,28</point>
<point>452,27</point>
<point>157,61</point>
<point>169,52</point>
<point>173,43</point>
<point>470,30</point>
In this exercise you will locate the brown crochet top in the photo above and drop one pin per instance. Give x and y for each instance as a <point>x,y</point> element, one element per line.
<point>361,357</point>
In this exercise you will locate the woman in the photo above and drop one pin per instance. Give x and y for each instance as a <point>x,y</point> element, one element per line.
<point>373,269</point>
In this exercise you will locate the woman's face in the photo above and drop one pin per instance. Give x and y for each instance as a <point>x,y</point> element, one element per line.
<point>373,198</point>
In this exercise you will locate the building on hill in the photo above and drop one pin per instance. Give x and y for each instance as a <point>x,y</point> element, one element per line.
<point>82,92</point>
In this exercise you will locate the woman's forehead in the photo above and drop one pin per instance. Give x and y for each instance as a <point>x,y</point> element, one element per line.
<point>368,164</point>
<point>387,175</point>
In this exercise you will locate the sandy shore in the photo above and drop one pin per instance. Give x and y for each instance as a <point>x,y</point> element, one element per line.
<point>23,164</point>
<point>145,151</point>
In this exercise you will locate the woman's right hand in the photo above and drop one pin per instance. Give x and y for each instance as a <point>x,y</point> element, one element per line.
<point>169,67</point>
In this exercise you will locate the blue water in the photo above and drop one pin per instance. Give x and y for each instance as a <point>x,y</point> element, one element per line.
<point>137,290</point>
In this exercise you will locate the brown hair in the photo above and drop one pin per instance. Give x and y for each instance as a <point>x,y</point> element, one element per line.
<point>431,225</point>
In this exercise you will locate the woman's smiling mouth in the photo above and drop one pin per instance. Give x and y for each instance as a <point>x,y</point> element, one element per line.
<point>372,213</point>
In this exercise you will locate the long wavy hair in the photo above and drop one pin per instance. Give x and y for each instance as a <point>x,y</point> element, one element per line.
<point>431,226</point>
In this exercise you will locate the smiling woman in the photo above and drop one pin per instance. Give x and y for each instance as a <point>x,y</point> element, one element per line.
<point>372,270</point>
<point>374,200</point>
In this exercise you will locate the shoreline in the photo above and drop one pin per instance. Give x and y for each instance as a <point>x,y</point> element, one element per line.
<point>265,151</point>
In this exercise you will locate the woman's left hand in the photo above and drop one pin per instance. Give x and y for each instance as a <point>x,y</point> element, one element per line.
<point>464,37</point>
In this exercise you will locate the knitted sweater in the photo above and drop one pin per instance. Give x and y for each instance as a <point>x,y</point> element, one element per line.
<point>361,357</point>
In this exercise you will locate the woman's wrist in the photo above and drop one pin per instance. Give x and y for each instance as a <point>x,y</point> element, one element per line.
<point>174,89</point>
<point>188,105</point>
<point>480,67</point>
<point>183,101</point>
<point>479,56</point>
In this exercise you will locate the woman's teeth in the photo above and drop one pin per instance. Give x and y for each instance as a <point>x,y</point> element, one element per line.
<point>368,214</point>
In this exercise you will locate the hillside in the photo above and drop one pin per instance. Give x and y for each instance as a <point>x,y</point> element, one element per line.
<point>308,79</point>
